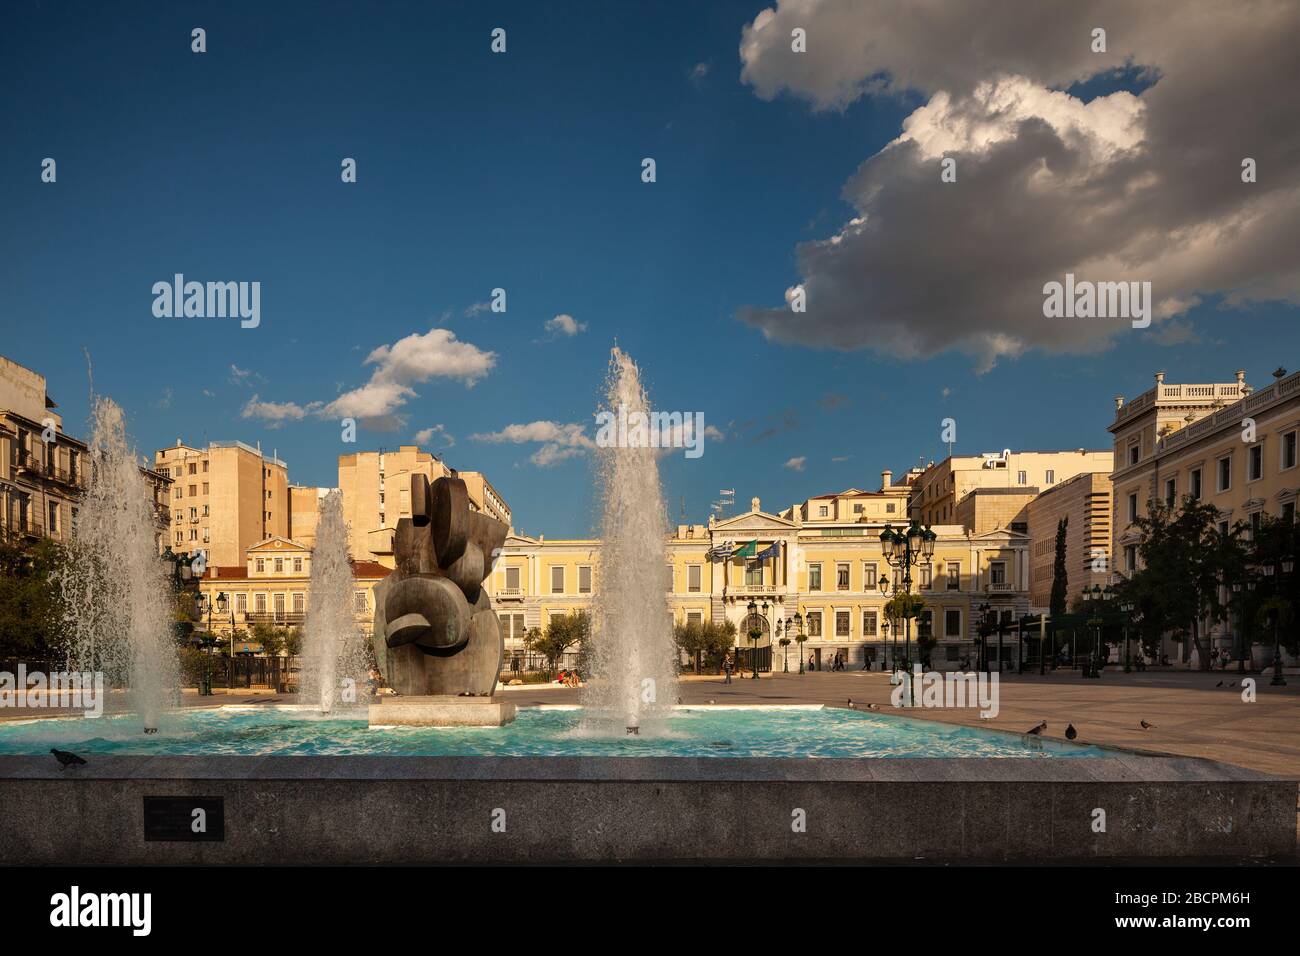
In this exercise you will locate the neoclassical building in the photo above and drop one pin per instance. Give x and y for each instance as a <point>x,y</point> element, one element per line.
<point>825,563</point>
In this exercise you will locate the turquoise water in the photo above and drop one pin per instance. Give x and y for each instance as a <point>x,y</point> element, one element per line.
<point>537,732</point>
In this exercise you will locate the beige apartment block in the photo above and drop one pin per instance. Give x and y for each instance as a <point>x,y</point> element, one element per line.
<point>304,513</point>
<point>376,487</point>
<point>988,509</point>
<point>939,490</point>
<point>1221,443</point>
<point>225,498</point>
<point>43,469</point>
<point>1085,500</point>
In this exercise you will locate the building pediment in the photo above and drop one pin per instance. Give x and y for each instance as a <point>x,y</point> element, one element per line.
<point>276,543</point>
<point>752,523</point>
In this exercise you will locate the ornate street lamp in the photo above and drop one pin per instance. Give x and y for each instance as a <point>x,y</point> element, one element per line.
<point>1127,608</point>
<point>901,551</point>
<point>1286,566</point>
<point>785,645</point>
<point>799,636</point>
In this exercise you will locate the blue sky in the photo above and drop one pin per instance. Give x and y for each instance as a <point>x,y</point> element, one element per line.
<point>478,171</point>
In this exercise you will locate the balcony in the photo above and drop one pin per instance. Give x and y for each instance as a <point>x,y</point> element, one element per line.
<point>277,618</point>
<point>999,586</point>
<point>510,594</point>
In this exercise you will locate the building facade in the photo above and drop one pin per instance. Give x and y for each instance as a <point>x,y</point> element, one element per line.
<point>272,587</point>
<point>827,565</point>
<point>940,488</point>
<point>1222,443</point>
<point>43,470</point>
<point>224,499</point>
<point>1084,502</point>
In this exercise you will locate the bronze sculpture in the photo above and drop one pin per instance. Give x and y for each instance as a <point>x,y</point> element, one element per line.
<point>435,631</point>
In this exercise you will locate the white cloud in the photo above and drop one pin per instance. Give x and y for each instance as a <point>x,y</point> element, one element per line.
<point>558,441</point>
<point>426,435</point>
<point>565,325</point>
<point>243,376</point>
<point>1120,188</point>
<point>277,413</point>
<point>796,464</point>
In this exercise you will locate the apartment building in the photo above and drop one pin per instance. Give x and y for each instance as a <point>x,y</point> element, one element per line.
<point>1084,501</point>
<point>43,470</point>
<point>225,498</point>
<point>940,488</point>
<point>376,488</point>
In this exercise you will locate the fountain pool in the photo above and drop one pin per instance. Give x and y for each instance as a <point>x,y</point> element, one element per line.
<point>538,732</point>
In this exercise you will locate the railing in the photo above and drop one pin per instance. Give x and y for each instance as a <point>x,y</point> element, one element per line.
<point>1201,393</point>
<point>510,592</point>
<point>1000,586</point>
<point>1232,414</point>
<point>276,617</point>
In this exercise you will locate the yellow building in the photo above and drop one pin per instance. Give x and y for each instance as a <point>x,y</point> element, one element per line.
<point>304,513</point>
<point>826,564</point>
<point>1085,500</point>
<point>940,489</point>
<point>225,498</point>
<point>376,489</point>
<point>43,469</point>
<point>272,586</point>
<point>1221,443</point>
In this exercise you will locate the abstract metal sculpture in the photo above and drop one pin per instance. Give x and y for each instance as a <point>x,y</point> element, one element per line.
<point>435,631</point>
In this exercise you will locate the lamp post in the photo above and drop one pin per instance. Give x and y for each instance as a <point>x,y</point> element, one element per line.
<point>901,551</point>
<point>785,646</point>
<point>1286,566</point>
<point>885,625</point>
<point>755,632</point>
<point>799,636</point>
<point>1127,608</point>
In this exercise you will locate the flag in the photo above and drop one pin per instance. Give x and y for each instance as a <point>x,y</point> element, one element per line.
<point>747,550</point>
<point>721,552</point>
<point>774,551</point>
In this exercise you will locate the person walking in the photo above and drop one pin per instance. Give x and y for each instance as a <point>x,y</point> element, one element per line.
<point>726,668</point>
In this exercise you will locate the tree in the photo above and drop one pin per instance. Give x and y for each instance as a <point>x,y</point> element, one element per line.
<point>31,605</point>
<point>1278,594</point>
<point>1060,573</point>
<point>704,641</point>
<point>561,634</point>
<point>1186,560</point>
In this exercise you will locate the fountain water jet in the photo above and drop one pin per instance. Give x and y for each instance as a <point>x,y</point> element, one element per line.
<point>333,645</point>
<point>116,591</point>
<point>633,684</point>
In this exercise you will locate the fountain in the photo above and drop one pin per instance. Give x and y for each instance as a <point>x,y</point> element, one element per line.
<point>333,647</point>
<point>115,590</point>
<point>634,671</point>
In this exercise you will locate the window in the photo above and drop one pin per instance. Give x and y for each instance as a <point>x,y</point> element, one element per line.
<point>841,577</point>
<point>241,604</point>
<point>193,468</point>
<point>205,466</point>
<point>868,623</point>
<point>997,572</point>
<point>297,565</point>
<point>694,573</point>
<point>299,602</point>
<point>1289,450</point>
<point>841,623</point>
<point>694,619</point>
<point>1255,462</point>
<point>1171,491</point>
<point>1225,473</point>
<point>359,599</point>
<point>1051,477</point>
<point>279,565</point>
<point>512,579</point>
<point>857,508</point>
<point>868,576</point>
<point>1134,452</point>
<point>1022,478</point>
<point>1132,507</point>
<point>1195,490</point>
<point>279,605</point>
<point>54,518</point>
<point>954,575</point>
<point>1288,515</point>
<point>927,577</point>
<point>1130,558</point>
<point>814,623</point>
<point>205,487</point>
<point>814,577</point>
<point>194,490</point>
<point>584,580</point>
<point>952,622</point>
<point>823,511</point>
<point>259,603</point>
<point>753,573</point>
<point>890,507</point>
<point>180,492</point>
<point>557,580</point>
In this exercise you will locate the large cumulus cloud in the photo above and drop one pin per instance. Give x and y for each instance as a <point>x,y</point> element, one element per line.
<point>1142,187</point>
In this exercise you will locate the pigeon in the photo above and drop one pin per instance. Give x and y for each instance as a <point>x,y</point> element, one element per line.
<point>1037,730</point>
<point>1219,684</point>
<point>1146,726</point>
<point>873,706</point>
<point>66,758</point>
<point>712,701</point>
<point>1070,732</point>
<point>851,705</point>
<point>151,730</point>
<point>1233,684</point>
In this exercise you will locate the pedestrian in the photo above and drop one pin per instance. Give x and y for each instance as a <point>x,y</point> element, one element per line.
<point>726,668</point>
